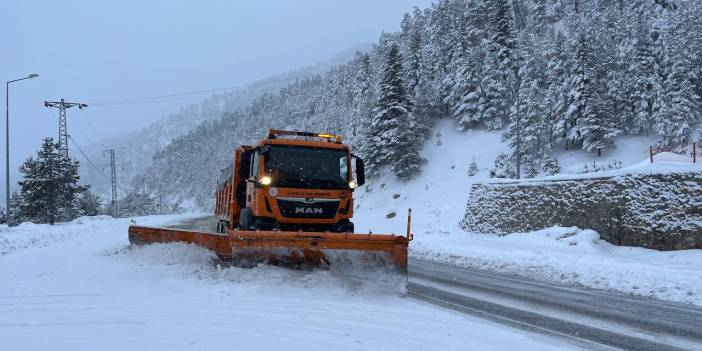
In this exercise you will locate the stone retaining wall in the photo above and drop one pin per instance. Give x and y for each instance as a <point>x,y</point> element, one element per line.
<point>660,211</point>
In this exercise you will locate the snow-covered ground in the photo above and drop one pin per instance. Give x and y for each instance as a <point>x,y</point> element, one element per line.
<point>438,199</point>
<point>80,286</point>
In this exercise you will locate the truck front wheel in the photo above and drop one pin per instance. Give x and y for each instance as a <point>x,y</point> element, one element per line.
<point>344,226</point>
<point>246,219</point>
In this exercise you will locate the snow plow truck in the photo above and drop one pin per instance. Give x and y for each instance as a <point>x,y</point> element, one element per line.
<point>288,200</point>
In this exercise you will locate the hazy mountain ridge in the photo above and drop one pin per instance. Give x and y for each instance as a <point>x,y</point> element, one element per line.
<point>134,150</point>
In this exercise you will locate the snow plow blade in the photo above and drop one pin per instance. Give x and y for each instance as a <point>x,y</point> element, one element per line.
<point>248,248</point>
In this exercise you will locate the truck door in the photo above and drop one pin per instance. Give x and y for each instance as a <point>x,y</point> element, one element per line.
<point>252,179</point>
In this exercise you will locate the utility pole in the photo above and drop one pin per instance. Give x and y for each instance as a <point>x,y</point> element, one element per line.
<point>518,145</point>
<point>63,129</point>
<point>113,176</point>
<point>7,141</point>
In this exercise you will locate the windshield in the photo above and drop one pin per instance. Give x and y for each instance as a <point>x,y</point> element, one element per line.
<point>307,167</point>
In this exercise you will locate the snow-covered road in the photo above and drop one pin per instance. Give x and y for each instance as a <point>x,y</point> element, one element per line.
<point>78,286</point>
<point>596,317</point>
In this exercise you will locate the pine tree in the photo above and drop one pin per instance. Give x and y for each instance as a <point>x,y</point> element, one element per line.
<point>556,98</point>
<point>499,79</point>
<point>679,106</point>
<point>531,170</point>
<point>646,83</point>
<point>467,88</point>
<point>88,203</point>
<point>394,139</point>
<point>15,215</point>
<point>413,70</point>
<point>551,166</point>
<point>503,167</point>
<point>362,97</point>
<point>528,117</point>
<point>136,203</point>
<point>585,124</point>
<point>49,186</point>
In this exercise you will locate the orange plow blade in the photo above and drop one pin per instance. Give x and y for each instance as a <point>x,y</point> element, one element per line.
<point>298,249</point>
<point>370,251</point>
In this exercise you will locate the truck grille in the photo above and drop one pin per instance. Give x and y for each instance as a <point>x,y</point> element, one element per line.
<point>303,209</point>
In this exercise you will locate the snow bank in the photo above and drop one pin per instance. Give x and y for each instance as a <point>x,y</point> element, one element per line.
<point>31,236</point>
<point>573,256</point>
<point>439,196</point>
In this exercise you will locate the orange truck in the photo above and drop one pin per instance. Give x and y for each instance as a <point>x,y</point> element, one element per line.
<point>289,200</point>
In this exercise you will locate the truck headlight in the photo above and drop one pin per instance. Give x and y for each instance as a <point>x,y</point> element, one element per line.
<point>353,185</point>
<point>265,180</point>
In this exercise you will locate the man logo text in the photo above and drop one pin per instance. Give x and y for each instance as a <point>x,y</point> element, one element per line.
<point>308,210</point>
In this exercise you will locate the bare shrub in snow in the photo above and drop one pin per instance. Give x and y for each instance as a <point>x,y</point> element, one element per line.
<point>473,168</point>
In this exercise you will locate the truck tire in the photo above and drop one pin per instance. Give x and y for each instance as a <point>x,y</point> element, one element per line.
<point>344,226</point>
<point>264,223</point>
<point>246,221</point>
<point>222,227</point>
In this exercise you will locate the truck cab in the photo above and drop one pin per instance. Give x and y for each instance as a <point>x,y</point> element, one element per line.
<point>290,181</point>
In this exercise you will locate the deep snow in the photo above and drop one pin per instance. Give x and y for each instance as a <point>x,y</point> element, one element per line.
<point>438,198</point>
<point>80,286</point>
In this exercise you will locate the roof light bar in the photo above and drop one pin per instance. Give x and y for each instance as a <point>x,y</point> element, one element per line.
<point>273,133</point>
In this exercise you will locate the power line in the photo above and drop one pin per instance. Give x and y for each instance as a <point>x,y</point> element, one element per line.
<point>90,124</point>
<point>88,159</point>
<point>159,98</point>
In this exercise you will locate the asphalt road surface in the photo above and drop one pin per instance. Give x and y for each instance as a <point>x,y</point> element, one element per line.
<point>592,318</point>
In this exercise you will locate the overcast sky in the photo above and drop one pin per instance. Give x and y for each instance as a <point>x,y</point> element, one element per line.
<point>92,51</point>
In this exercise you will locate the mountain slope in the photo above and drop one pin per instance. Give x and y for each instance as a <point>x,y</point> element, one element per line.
<point>584,76</point>
<point>134,151</point>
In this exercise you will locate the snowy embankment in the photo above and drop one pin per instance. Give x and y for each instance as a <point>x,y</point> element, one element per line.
<point>80,286</point>
<point>569,255</point>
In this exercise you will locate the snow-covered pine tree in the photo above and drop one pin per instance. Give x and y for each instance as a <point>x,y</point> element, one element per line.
<point>136,203</point>
<point>531,170</point>
<point>362,99</point>
<point>586,121</point>
<point>413,70</point>
<point>412,26</point>
<point>503,167</point>
<point>551,166</point>
<point>394,139</point>
<point>528,117</point>
<point>88,204</point>
<point>467,87</point>
<point>646,81</point>
<point>15,215</point>
<point>679,105</point>
<point>49,186</point>
<point>499,77</point>
<point>556,98</point>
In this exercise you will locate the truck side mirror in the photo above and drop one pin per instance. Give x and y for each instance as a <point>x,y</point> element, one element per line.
<point>360,171</point>
<point>265,150</point>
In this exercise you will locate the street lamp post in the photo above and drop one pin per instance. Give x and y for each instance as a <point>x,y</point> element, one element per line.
<point>7,141</point>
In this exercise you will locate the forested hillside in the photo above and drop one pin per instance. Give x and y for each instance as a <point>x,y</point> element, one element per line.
<point>549,74</point>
